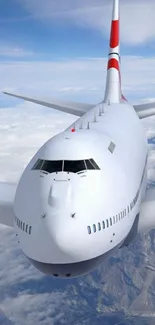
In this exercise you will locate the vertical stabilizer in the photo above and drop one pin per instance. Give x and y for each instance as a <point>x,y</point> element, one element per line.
<point>113,81</point>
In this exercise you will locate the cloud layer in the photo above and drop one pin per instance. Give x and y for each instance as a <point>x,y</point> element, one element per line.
<point>79,79</point>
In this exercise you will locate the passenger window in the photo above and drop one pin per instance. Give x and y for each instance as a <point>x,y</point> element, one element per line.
<point>30,229</point>
<point>74,166</point>
<point>89,230</point>
<point>107,221</point>
<point>99,226</point>
<point>52,166</point>
<point>128,209</point>
<point>23,226</point>
<point>114,220</point>
<point>103,224</point>
<point>26,228</point>
<point>110,222</point>
<point>94,228</point>
<point>119,216</point>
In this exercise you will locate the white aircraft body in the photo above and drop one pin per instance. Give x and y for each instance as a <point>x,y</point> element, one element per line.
<point>84,194</point>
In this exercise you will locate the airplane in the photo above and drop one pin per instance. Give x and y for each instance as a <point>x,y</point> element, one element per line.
<point>84,194</point>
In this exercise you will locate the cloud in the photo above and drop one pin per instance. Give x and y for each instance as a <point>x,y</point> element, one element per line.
<point>137,16</point>
<point>14,51</point>
<point>43,308</point>
<point>149,127</point>
<point>22,130</point>
<point>79,79</point>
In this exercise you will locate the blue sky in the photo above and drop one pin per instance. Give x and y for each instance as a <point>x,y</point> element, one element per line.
<point>45,37</point>
<point>44,40</point>
<point>57,47</point>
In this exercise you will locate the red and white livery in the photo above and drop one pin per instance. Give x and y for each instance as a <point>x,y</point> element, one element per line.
<point>83,195</point>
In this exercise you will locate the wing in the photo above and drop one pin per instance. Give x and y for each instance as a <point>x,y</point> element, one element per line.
<point>147,214</point>
<point>77,109</point>
<point>145,110</point>
<point>7,195</point>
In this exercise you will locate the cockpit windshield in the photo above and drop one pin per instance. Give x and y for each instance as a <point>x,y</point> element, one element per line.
<point>70,166</point>
<point>74,166</point>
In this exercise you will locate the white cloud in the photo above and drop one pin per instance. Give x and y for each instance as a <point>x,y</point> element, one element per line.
<point>79,79</point>
<point>149,127</point>
<point>23,130</point>
<point>14,51</point>
<point>137,16</point>
<point>42,308</point>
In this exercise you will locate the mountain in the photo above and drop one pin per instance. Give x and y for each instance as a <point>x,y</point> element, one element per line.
<point>121,291</point>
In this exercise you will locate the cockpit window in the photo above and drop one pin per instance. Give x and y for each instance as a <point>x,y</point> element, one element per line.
<point>52,166</point>
<point>38,164</point>
<point>49,166</point>
<point>74,166</point>
<point>94,164</point>
<point>91,164</point>
<point>70,166</point>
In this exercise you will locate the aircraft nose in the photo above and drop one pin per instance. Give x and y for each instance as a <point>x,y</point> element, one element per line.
<point>70,208</point>
<point>65,217</point>
<point>60,194</point>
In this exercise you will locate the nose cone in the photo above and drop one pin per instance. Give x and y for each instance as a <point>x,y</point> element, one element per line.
<point>70,207</point>
<point>60,195</point>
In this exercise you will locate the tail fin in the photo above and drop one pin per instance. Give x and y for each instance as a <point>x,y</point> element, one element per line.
<point>113,81</point>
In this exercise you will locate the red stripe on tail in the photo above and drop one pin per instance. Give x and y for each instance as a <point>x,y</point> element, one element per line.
<point>114,38</point>
<point>113,63</point>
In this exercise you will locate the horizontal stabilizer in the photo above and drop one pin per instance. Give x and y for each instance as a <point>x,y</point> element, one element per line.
<point>145,110</point>
<point>147,214</point>
<point>77,109</point>
<point>7,195</point>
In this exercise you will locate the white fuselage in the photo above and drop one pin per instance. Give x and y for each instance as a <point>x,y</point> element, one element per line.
<point>74,218</point>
